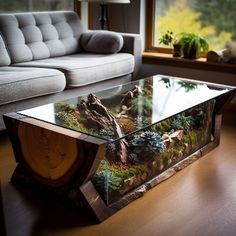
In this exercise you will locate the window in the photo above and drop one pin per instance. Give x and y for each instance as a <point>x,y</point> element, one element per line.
<point>212,19</point>
<point>35,5</point>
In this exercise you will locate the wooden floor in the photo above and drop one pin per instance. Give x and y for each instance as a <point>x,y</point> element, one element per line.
<point>200,200</point>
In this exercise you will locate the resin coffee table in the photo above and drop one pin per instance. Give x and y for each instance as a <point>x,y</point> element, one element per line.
<point>106,149</point>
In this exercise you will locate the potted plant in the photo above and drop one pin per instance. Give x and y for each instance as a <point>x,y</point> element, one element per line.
<point>192,44</point>
<point>169,39</point>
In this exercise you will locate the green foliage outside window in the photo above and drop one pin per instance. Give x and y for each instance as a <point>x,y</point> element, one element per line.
<point>220,13</point>
<point>198,17</point>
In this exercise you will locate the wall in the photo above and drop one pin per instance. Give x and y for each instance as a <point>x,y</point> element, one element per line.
<point>121,17</point>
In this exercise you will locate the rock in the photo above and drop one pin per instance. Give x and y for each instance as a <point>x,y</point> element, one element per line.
<point>130,95</point>
<point>99,117</point>
<point>171,139</point>
<point>130,181</point>
<point>177,134</point>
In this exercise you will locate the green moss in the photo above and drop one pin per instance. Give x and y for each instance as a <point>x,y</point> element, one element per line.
<point>143,103</point>
<point>193,137</point>
<point>110,177</point>
<point>166,154</point>
<point>162,127</point>
<point>64,107</point>
<point>186,139</point>
<point>178,148</point>
<point>129,172</point>
<point>122,172</point>
<point>67,119</point>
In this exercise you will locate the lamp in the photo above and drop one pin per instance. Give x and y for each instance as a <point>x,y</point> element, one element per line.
<point>103,4</point>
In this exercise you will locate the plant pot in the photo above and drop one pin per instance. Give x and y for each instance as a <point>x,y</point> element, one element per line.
<point>190,54</point>
<point>177,50</point>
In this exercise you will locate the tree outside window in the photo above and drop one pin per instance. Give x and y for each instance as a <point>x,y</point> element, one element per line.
<point>212,19</point>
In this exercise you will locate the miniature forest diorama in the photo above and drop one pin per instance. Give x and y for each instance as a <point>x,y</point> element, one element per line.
<point>137,149</point>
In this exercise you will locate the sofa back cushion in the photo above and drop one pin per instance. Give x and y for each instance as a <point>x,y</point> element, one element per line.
<point>4,57</point>
<point>40,35</point>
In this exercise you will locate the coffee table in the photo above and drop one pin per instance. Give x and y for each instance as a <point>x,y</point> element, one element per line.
<point>106,149</point>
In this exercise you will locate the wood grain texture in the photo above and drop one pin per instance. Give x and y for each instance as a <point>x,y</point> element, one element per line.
<point>48,154</point>
<point>51,154</point>
<point>94,202</point>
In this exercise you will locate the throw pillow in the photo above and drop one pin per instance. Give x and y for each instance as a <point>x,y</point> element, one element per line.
<point>101,41</point>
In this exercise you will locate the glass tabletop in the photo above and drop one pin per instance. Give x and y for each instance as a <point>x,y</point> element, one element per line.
<point>113,113</point>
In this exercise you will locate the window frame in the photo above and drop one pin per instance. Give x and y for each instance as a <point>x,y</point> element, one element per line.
<point>149,34</point>
<point>77,7</point>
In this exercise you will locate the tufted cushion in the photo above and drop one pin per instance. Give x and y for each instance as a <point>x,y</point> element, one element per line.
<point>101,41</point>
<point>33,36</point>
<point>4,57</point>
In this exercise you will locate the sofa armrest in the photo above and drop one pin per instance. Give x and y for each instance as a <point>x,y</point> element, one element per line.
<point>133,45</point>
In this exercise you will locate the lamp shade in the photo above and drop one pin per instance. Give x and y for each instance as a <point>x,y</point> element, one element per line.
<point>107,1</point>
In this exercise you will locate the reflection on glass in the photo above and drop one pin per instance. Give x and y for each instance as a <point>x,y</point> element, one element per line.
<point>44,113</point>
<point>131,106</point>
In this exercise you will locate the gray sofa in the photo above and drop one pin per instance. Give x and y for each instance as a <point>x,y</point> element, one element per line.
<point>50,56</point>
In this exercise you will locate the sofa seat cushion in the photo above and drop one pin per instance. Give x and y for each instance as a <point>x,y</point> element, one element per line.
<point>87,68</point>
<point>18,83</point>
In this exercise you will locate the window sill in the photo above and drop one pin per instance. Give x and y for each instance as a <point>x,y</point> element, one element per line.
<point>201,63</point>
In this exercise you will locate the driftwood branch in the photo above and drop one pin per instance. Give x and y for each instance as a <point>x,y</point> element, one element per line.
<point>99,117</point>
